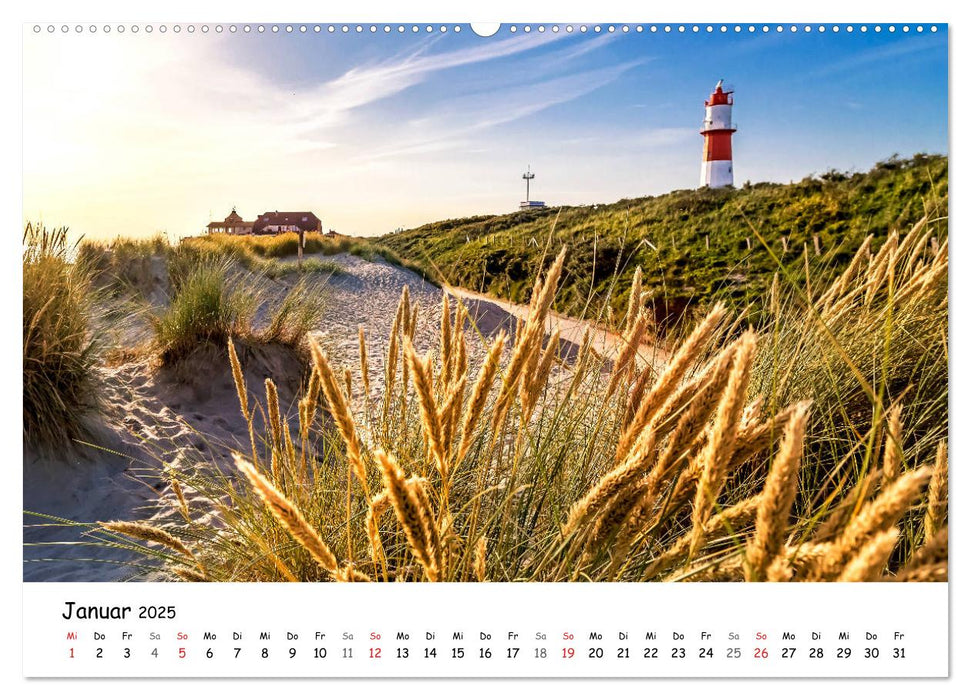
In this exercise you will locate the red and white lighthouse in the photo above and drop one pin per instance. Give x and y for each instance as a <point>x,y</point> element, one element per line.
<point>716,162</point>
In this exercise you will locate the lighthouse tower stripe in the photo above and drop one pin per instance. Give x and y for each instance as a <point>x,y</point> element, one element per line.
<point>716,163</point>
<point>718,145</point>
<point>716,173</point>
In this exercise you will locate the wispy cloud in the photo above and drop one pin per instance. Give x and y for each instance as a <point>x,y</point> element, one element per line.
<point>883,54</point>
<point>463,117</point>
<point>330,103</point>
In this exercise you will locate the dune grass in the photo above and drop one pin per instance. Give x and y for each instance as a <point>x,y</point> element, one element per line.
<point>214,301</point>
<point>124,265</point>
<point>212,289</point>
<point>210,305</point>
<point>262,251</point>
<point>275,269</point>
<point>297,314</point>
<point>269,247</point>
<point>736,459</point>
<point>60,350</point>
<point>127,266</point>
<point>874,340</point>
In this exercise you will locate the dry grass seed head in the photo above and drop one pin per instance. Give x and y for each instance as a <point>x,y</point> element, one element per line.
<point>479,559</point>
<point>450,411</point>
<point>937,499</point>
<point>180,496</point>
<point>428,407</point>
<point>273,411</point>
<point>778,495</point>
<point>673,373</point>
<point>591,504</point>
<point>408,511</point>
<point>289,516</point>
<point>190,575</point>
<point>721,443</point>
<point>631,344</point>
<point>879,514</point>
<point>893,446</point>
<point>149,533</point>
<point>376,508</point>
<point>420,488</point>
<point>929,573</point>
<point>340,411</point>
<point>536,380</point>
<point>868,564</point>
<point>238,379</point>
<point>703,399</point>
<point>634,302</point>
<point>636,395</point>
<point>480,394</point>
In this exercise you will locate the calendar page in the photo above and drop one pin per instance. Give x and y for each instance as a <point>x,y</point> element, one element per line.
<point>516,350</point>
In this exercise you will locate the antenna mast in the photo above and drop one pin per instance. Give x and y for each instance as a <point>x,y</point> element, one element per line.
<point>527,176</point>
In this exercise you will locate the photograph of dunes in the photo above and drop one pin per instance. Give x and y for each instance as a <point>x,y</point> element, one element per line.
<point>552,305</point>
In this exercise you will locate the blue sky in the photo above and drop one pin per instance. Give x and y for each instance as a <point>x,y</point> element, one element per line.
<point>373,132</point>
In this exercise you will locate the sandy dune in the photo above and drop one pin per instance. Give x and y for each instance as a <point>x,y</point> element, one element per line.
<point>184,417</point>
<point>187,417</point>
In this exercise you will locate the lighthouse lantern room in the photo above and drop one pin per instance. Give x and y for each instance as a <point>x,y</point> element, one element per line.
<point>716,162</point>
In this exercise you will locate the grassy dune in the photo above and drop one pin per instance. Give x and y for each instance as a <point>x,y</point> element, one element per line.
<point>72,296</point>
<point>805,449</point>
<point>213,304</point>
<point>123,262</point>
<point>694,246</point>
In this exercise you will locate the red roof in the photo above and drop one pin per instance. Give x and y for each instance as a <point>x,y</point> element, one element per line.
<point>304,220</point>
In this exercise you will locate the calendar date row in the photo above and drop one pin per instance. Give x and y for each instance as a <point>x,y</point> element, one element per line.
<point>378,653</point>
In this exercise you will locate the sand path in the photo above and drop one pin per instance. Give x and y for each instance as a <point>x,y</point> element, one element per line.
<point>572,330</point>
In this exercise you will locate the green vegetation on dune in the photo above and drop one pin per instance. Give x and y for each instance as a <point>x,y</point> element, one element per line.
<point>694,245</point>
